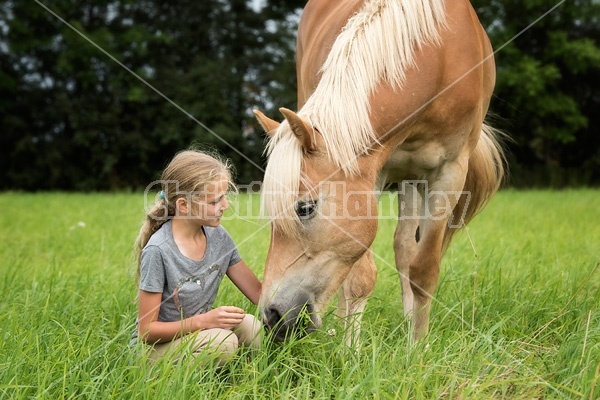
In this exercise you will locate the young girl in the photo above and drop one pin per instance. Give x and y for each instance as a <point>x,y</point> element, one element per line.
<point>183,254</point>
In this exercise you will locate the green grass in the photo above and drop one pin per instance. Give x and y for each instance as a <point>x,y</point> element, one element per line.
<point>516,313</point>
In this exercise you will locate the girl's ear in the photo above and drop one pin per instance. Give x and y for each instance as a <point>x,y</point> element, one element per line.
<point>181,204</point>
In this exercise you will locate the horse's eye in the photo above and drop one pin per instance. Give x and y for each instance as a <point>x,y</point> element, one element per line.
<point>306,209</point>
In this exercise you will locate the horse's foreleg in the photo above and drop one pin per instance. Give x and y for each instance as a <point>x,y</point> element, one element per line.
<point>405,240</point>
<point>440,198</point>
<point>353,295</point>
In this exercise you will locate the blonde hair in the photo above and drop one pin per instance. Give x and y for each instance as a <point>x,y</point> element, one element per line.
<point>187,174</point>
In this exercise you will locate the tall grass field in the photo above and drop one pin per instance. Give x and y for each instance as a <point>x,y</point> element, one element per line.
<point>515,316</point>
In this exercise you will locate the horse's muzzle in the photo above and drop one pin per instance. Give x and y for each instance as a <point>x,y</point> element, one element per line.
<point>287,320</point>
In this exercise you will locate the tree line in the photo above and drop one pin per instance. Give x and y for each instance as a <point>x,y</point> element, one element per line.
<point>98,95</point>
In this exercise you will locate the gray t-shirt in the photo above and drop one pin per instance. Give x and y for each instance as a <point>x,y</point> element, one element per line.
<point>188,287</point>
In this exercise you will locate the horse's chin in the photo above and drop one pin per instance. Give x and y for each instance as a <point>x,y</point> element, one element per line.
<point>280,335</point>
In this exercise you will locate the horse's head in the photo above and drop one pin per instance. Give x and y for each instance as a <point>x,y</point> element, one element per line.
<point>322,220</point>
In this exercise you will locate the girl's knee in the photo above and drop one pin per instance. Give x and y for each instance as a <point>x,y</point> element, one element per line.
<point>220,343</point>
<point>250,332</point>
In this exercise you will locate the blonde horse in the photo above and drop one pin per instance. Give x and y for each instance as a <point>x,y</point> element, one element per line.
<point>389,91</point>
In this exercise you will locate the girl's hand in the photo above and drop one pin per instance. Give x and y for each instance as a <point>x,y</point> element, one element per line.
<point>224,317</point>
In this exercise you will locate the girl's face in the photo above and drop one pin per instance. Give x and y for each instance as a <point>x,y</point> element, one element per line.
<point>209,206</point>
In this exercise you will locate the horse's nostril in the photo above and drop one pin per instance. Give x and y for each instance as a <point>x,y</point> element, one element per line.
<point>272,316</point>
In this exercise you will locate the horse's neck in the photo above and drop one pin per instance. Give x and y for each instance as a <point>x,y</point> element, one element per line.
<point>322,21</point>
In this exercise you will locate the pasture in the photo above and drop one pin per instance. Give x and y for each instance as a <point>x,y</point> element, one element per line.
<point>515,316</point>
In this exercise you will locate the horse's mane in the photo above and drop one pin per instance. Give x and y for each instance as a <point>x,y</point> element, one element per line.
<point>376,44</point>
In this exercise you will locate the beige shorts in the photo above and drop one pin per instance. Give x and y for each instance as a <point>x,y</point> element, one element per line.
<point>220,344</point>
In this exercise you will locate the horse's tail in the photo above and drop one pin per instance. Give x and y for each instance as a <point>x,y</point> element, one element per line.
<point>485,174</point>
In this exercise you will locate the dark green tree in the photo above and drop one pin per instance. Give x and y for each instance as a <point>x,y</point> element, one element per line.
<point>74,118</point>
<point>74,121</point>
<point>548,88</point>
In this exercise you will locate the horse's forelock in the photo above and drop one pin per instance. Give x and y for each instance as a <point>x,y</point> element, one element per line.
<point>281,182</point>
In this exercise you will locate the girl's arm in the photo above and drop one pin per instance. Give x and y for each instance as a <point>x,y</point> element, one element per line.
<point>153,331</point>
<point>243,277</point>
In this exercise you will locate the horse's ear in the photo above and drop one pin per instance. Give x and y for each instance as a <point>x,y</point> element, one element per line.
<point>300,128</point>
<point>267,123</point>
